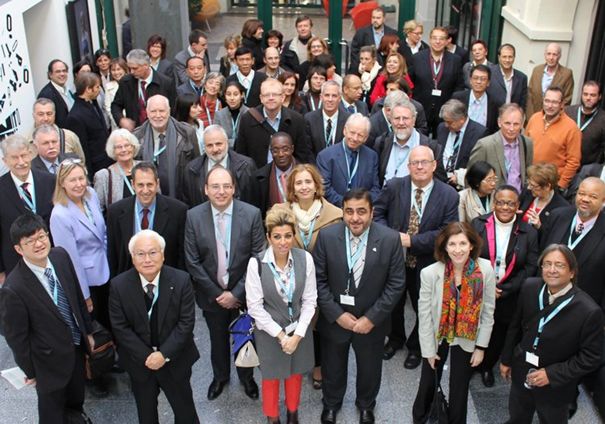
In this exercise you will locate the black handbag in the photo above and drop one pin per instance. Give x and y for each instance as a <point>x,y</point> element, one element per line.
<point>101,359</point>
<point>438,413</point>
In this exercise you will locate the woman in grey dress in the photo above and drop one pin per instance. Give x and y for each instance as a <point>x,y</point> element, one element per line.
<point>281,295</point>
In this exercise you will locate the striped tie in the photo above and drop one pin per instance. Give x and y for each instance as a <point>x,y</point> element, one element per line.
<point>358,265</point>
<point>63,306</point>
<point>28,199</point>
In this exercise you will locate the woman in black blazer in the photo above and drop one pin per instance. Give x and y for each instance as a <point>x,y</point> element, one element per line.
<point>511,246</point>
<point>542,195</point>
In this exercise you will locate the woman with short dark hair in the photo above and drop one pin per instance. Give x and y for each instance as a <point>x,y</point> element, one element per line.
<point>477,199</point>
<point>252,38</point>
<point>156,49</point>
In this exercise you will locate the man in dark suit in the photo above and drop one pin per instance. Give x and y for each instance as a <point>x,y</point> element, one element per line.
<point>508,84</point>
<point>355,299</point>
<point>380,121</point>
<point>370,35</point>
<point>351,95</point>
<point>324,126</point>
<point>194,83</point>
<point>164,215</point>
<point>258,125</point>
<point>142,83</point>
<point>482,108</point>
<point>198,47</point>
<point>453,47</point>
<point>349,164</point>
<point>57,91</point>
<point>86,119</point>
<point>582,229</point>
<point>247,77</point>
<point>457,135</point>
<point>21,190</point>
<point>418,207</point>
<point>436,75</point>
<point>45,320</point>
<point>220,238</point>
<point>217,153</point>
<point>46,140</point>
<point>152,311</point>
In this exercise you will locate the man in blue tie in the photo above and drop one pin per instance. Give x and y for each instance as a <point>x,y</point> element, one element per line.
<point>44,317</point>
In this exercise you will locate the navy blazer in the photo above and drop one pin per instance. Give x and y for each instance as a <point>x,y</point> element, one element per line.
<point>378,126</point>
<point>492,109</point>
<point>332,165</point>
<point>497,88</point>
<point>316,132</point>
<point>364,37</point>
<point>473,132</point>
<point>360,107</point>
<point>61,111</point>
<point>393,207</point>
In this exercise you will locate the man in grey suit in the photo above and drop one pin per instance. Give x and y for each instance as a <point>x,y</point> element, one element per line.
<point>46,140</point>
<point>221,235</point>
<point>198,46</point>
<point>508,151</point>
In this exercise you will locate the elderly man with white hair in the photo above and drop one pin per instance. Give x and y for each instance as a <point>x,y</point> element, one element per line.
<point>48,145</point>
<point>168,143</point>
<point>152,312</point>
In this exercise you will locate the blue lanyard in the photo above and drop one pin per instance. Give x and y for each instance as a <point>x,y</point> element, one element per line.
<point>156,294</point>
<point>307,239</point>
<point>158,153</point>
<point>546,320</point>
<point>350,175</point>
<point>312,102</point>
<point>208,111</point>
<point>241,81</point>
<point>570,244</point>
<point>415,204</point>
<point>126,180</point>
<point>88,212</point>
<point>583,127</point>
<point>402,159</point>
<point>286,290</point>
<point>31,205</point>
<point>236,123</point>
<point>352,259</point>
<point>226,242</point>
<point>55,293</point>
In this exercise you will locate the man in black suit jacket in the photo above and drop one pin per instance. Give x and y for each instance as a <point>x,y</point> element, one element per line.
<point>217,153</point>
<point>57,91</point>
<point>46,139</point>
<point>588,245</point>
<point>380,121</point>
<point>457,135</point>
<point>418,207</point>
<point>21,190</point>
<point>44,317</point>
<point>482,108</point>
<point>453,47</point>
<point>324,126</point>
<point>351,95</point>
<point>369,36</point>
<point>250,79</point>
<point>194,83</point>
<point>220,238</point>
<point>355,296</point>
<point>152,311</point>
<point>258,125</point>
<point>498,88</point>
<point>436,75</point>
<point>142,83</point>
<point>126,217</point>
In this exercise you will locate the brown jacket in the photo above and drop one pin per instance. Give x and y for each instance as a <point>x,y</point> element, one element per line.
<point>563,79</point>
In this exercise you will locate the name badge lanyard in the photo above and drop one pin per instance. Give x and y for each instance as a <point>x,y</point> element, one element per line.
<point>156,294</point>
<point>583,127</point>
<point>418,211</point>
<point>288,290</point>
<point>350,175</point>
<point>352,259</point>
<point>158,153</point>
<point>306,238</point>
<point>546,320</point>
<point>312,101</point>
<point>235,123</point>
<point>30,204</point>
<point>402,159</point>
<point>332,130</point>
<point>55,293</point>
<point>436,69</point>
<point>225,241</point>
<point>216,109</point>
<point>570,244</point>
<point>501,247</point>
<point>244,85</point>
<point>126,180</point>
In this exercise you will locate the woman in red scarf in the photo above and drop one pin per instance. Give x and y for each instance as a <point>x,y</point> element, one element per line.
<point>455,313</point>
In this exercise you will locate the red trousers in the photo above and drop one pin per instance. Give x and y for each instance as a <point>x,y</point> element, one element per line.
<point>271,395</point>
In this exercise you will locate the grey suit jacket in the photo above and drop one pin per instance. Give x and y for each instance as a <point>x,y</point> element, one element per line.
<point>180,62</point>
<point>108,195</point>
<point>491,150</point>
<point>247,240</point>
<point>224,119</point>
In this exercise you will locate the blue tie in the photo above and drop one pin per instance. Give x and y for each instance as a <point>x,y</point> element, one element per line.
<point>351,109</point>
<point>63,306</point>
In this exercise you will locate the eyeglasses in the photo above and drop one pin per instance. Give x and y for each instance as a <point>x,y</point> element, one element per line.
<point>33,240</point>
<point>559,266</point>
<point>217,187</point>
<point>502,203</point>
<point>423,163</point>
<point>531,185</point>
<point>153,255</point>
<point>480,79</point>
<point>493,179</point>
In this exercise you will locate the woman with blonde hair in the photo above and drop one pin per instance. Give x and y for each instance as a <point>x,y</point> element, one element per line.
<point>228,65</point>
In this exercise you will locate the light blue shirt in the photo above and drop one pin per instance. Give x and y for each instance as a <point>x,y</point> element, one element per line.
<point>397,166</point>
<point>426,192</point>
<point>377,36</point>
<point>39,273</point>
<point>275,125</point>
<point>448,151</point>
<point>547,79</point>
<point>138,215</point>
<point>477,108</point>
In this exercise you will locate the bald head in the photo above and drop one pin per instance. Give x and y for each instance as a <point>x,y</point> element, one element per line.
<point>590,198</point>
<point>271,59</point>
<point>158,112</point>
<point>552,54</point>
<point>422,166</point>
<point>351,88</point>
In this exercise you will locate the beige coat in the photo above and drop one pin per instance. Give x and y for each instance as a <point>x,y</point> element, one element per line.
<point>469,208</point>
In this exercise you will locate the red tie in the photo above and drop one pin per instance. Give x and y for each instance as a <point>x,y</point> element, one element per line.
<point>143,103</point>
<point>145,220</point>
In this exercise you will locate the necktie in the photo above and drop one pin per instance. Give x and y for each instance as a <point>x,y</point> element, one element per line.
<point>283,181</point>
<point>53,168</point>
<point>353,158</point>
<point>149,295</point>
<point>351,109</point>
<point>451,162</point>
<point>221,250</point>
<point>143,103</point>
<point>329,132</point>
<point>161,148</point>
<point>145,219</point>
<point>358,265</point>
<point>577,231</point>
<point>414,224</point>
<point>28,199</point>
<point>63,306</point>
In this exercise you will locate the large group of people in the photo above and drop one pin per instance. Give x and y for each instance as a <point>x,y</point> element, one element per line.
<point>318,203</point>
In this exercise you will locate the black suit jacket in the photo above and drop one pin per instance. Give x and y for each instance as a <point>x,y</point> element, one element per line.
<point>316,132</point>
<point>589,252</point>
<point>497,88</point>
<point>393,206</point>
<point>13,207</point>
<point>260,199</point>
<point>592,170</point>
<point>462,53</point>
<point>570,346</point>
<point>35,331</point>
<point>556,202</point>
<point>360,107</point>
<point>127,96</point>
<point>50,92</point>
<point>473,132</point>
<point>378,126</point>
<point>421,124</point>
<point>492,108</point>
<point>38,165</point>
<point>406,52</point>
<point>381,285</point>
<point>364,37</point>
<point>253,95</point>
<point>175,309</point>
<point>169,222</point>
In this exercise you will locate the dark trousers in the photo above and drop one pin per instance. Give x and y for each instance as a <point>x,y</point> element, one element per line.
<point>522,404</point>
<point>317,348</point>
<point>460,377</point>
<point>397,337</point>
<point>335,361</point>
<point>220,346</point>
<point>177,391</point>
<point>52,405</point>
<point>496,344</point>
<point>100,302</point>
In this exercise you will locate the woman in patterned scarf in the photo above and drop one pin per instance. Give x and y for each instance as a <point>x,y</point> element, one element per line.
<point>455,313</point>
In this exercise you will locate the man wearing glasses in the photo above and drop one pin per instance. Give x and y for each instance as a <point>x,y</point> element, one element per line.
<point>418,206</point>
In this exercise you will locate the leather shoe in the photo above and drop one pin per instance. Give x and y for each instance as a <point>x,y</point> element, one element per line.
<point>292,417</point>
<point>412,361</point>
<point>215,389</point>
<point>366,416</point>
<point>487,377</point>
<point>328,416</point>
<point>389,351</point>
<point>251,389</point>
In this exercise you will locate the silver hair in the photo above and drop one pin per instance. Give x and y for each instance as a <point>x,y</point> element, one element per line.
<point>215,128</point>
<point>454,110</point>
<point>13,142</point>
<point>557,45</point>
<point>138,56</point>
<point>359,117</point>
<point>331,83</point>
<point>218,76</point>
<point>44,101</point>
<point>44,129</point>
<point>146,233</point>
<point>164,100</point>
<point>408,105</point>
<point>126,135</point>
<point>395,97</point>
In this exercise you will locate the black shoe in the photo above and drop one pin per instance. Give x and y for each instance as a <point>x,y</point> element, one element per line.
<point>328,416</point>
<point>412,361</point>
<point>251,389</point>
<point>366,416</point>
<point>215,389</point>
<point>389,351</point>
<point>292,417</point>
<point>488,378</point>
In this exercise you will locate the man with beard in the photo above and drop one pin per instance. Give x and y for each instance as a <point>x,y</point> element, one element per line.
<point>370,35</point>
